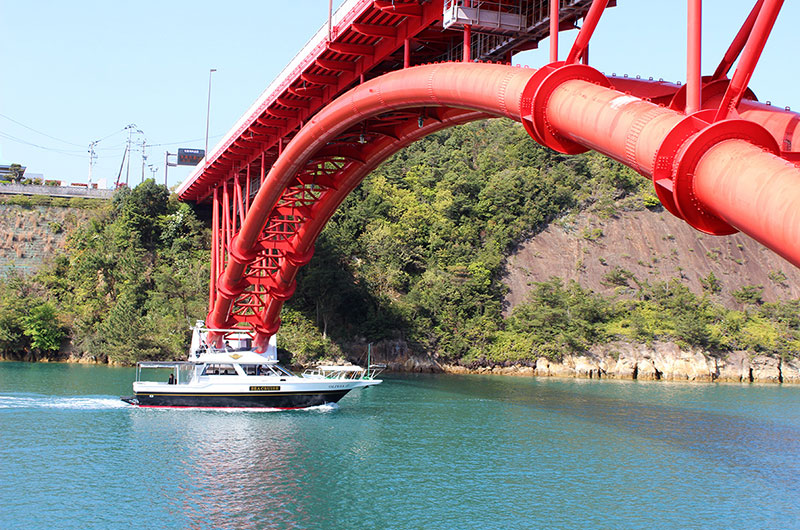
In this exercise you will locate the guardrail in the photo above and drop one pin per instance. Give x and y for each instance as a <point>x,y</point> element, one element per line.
<point>55,191</point>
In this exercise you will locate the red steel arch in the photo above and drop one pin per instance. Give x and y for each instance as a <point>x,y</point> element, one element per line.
<point>719,175</point>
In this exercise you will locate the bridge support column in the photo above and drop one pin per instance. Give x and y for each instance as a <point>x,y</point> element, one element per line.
<point>554,30</point>
<point>467,57</point>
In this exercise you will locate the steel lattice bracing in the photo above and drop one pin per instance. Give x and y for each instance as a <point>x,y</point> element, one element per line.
<point>718,159</point>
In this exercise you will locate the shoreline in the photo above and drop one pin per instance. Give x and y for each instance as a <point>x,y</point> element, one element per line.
<point>661,361</point>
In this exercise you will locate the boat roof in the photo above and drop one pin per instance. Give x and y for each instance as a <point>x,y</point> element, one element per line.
<point>213,357</point>
<point>233,356</point>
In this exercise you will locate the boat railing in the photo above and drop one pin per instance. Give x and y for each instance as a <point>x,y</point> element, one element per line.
<point>344,372</point>
<point>374,370</point>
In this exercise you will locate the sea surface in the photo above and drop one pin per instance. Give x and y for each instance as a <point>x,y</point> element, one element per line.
<point>449,452</point>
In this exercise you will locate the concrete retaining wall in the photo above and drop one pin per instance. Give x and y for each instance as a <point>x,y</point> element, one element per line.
<point>55,191</point>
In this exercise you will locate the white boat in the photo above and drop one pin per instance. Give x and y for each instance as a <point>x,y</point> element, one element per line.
<point>235,376</point>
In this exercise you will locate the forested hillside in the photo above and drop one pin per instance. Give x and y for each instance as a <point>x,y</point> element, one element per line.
<point>417,255</point>
<point>128,285</point>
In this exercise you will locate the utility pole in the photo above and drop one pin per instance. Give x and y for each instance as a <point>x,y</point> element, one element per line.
<point>144,156</point>
<point>130,135</point>
<point>167,165</point>
<point>92,158</point>
<point>130,129</point>
<point>124,154</point>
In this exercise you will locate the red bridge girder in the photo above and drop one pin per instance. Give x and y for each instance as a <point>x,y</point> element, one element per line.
<point>718,159</point>
<point>712,174</point>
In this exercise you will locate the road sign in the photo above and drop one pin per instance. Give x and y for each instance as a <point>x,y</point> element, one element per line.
<point>190,157</point>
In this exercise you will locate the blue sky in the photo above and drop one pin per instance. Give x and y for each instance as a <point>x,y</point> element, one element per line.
<point>75,72</point>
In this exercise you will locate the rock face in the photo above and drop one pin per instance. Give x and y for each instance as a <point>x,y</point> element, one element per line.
<point>652,245</point>
<point>617,360</point>
<point>659,361</point>
<point>765,369</point>
<point>735,368</point>
<point>790,371</point>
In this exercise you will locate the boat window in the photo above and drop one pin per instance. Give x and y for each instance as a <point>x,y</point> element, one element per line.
<point>256,369</point>
<point>219,369</point>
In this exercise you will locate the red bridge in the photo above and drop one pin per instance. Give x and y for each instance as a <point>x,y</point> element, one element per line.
<point>385,73</point>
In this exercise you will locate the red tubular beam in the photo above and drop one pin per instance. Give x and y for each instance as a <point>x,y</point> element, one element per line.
<point>581,43</point>
<point>750,55</point>
<point>247,192</point>
<point>554,30</point>
<point>238,205</point>
<point>467,43</point>
<point>226,216</point>
<point>738,43</point>
<point>621,126</point>
<point>263,170</point>
<point>754,191</point>
<point>406,53</point>
<point>588,114</point>
<point>212,286</point>
<point>693,58</point>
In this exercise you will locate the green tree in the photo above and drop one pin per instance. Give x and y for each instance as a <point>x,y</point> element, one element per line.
<point>749,294</point>
<point>15,172</point>
<point>41,325</point>
<point>711,284</point>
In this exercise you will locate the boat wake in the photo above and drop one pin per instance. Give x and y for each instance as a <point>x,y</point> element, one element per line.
<point>326,407</point>
<point>37,401</point>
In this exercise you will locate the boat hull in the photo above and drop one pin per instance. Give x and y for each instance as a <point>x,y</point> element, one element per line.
<point>253,400</point>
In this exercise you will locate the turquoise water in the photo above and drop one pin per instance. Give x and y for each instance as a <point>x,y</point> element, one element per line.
<point>415,452</point>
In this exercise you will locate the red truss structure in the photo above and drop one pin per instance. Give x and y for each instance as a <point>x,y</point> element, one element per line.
<point>385,73</point>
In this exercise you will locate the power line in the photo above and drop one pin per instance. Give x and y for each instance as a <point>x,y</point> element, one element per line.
<point>183,141</point>
<point>53,149</point>
<point>38,132</point>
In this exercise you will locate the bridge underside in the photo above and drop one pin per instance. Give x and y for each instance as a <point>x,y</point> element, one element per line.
<point>718,159</point>
<point>705,172</point>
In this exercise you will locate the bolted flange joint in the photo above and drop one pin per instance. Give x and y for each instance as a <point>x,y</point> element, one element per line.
<point>283,292</point>
<point>230,290</point>
<point>536,95</point>
<point>684,166</point>
<point>239,255</point>
<point>299,260</point>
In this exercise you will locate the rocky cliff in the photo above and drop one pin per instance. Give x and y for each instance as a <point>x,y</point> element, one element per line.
<point>661,361</point>
<point>651,246</point>
<point>30,234</point>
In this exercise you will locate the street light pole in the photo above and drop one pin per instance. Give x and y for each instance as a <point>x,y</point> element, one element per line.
<point>208,113</point>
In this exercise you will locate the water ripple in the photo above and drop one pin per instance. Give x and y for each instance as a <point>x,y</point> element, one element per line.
<point>34,401</point>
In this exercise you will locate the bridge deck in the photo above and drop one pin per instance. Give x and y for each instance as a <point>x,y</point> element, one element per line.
<point>368,38</point>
